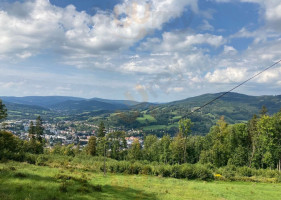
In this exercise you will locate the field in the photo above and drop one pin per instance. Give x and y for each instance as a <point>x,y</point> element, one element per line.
<point>22,181</point>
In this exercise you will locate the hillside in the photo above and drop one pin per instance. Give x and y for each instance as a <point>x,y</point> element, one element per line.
<point>43,101</point>
<point>150,117</point>
<point>234,107</point>
<point>26,181</point>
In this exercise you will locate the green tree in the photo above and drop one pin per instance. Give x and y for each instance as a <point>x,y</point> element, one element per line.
<point>3,111</point>
<point>177,149</point>
<point>184,129</point>
<point>39,129</point>
<point>263,111</point>
<point>117,144</point>
<point>164,148</point>
<point>91,147</point>
<point>253,136</point>
<point>31,130</point>
<point>151,152</point>
<point>135,152</point>
<point>101,130</point>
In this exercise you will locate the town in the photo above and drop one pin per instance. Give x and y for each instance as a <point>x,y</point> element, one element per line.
<point>66,132</point>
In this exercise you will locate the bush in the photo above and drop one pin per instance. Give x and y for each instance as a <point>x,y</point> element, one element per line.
<point>41,160</point>
<point>30,158</point>
<point>176,171</point>
<point>279,178</point>
<point>202,173</point>
<point>245,171</point>
<point>187,171</point>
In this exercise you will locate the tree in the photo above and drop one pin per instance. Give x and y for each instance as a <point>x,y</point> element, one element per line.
<point>184,128</point>
<point>3,111</point>
<point>31,130</point>
<point>177,149</point>
<point>151,148</point>
<point>135,151</point>
<point>39,129</point>
<point>101,130</point>
<point>263,110</point>
<point>253,135</point>
<point>165,151</point>
<point>117,144</point>
<point>91,147</point>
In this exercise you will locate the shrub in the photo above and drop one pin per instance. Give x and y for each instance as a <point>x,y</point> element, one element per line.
<point>278,178</point>
<point>30,158</point>
<point>187,171</point>
<point>41,160</point>
<point>202,173</point>
<point>245,171</point>
<point>176,171</point>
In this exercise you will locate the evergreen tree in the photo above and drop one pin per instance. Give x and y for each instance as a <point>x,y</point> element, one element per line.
<point>101,130</point>
<point>39,129</point>
<point>263,111</point>
<point>31,130</point>
<point>91,147</point>
<point>3,111</point>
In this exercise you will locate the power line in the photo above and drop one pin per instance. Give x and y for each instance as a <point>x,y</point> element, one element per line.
<point>235,87</point>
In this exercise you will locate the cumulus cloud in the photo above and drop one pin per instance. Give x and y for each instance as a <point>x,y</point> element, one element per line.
<point>181,41</point>
<point>33,26</point>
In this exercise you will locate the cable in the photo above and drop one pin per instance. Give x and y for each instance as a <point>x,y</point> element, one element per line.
<point>234,87</point>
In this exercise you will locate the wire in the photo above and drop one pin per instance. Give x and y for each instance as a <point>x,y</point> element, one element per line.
<point>235,87</point>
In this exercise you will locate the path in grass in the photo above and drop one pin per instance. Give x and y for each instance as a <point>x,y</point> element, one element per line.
<point>20,181</point>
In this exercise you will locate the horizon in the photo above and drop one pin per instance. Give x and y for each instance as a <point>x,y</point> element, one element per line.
<point>93,98</point>
<point>144,51</point>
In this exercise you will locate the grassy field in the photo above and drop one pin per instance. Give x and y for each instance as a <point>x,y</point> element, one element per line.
<point>22,181</point>
<point>145,118</point>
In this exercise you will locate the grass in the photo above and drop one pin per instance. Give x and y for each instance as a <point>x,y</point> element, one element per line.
<point>145,118</point>
<point>154,127</point>
<point>24,181</point>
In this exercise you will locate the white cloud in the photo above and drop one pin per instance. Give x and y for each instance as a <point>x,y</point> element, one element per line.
<point>228,75</point>
<point>206,26</point>
<point>181,41</point>
<point>30,27</point>
<point>175,89</point>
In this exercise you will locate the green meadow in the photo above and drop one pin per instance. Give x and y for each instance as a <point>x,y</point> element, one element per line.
<point>23,181</point>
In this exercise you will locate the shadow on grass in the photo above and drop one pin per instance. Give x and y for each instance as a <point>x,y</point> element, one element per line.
<point>117,192</point>
<point>16,187</point>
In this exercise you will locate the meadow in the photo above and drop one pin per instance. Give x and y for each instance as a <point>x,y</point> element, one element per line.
<point>23,181</point>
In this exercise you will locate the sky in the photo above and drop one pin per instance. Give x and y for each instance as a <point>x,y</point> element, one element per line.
<point>148,50</point>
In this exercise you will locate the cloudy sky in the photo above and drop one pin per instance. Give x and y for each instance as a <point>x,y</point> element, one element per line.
<point>154,50</point>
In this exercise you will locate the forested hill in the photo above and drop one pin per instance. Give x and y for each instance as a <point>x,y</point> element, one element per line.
<point>233,106</point>
<point>150,117</point>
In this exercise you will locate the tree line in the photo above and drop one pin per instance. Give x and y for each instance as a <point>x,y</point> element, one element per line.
<point>255,144</point>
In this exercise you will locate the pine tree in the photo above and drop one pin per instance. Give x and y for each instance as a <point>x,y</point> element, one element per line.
<point>31,130</point>
<point>39,129</point>
<point>3,111</point>
<point>92,145</point>
<point>101,130</point>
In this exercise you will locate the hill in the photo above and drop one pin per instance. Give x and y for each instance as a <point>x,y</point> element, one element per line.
<point>149,117</point>
<point>43,101</point>
<point>233,106</point>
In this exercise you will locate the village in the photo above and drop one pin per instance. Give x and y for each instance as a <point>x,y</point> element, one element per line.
<point>65,132</point>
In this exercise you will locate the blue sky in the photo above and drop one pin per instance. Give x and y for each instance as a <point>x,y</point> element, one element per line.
<point>154,50</point>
